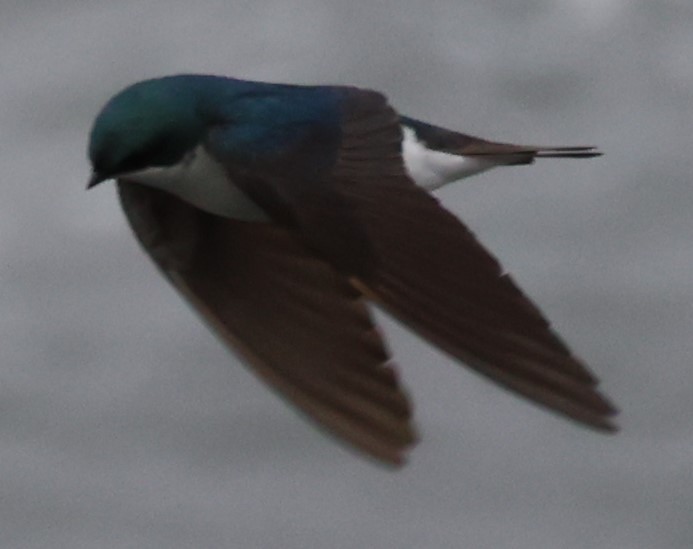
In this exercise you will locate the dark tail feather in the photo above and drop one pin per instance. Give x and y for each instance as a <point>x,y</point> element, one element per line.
<point>567,152</point>
<point>514,155</point>
<point>441,139</point>
<point>529,152</point>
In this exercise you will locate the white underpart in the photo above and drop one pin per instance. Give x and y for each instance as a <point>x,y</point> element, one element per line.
<point>201,181</point>
<point>432,169</point>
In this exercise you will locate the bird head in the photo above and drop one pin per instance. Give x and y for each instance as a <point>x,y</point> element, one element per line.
<point>149,124</point>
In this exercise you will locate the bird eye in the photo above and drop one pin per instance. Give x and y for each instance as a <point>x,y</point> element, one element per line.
<point>154,153</point>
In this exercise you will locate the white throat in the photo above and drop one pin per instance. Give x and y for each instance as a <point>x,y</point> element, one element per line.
<point>201,181</point>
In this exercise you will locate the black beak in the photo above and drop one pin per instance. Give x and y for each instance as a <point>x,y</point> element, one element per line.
<point>95,179</point>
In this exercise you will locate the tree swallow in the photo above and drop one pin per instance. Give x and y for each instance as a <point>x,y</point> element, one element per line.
<point>280,211</point>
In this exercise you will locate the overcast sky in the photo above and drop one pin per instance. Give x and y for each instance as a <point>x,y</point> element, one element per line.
<point>124,424</point>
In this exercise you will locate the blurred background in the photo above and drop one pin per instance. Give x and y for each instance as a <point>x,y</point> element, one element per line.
<point>124,424</point>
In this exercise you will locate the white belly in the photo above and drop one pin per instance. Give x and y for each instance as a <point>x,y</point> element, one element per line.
<point>201,181</point>
<point>432,169</point>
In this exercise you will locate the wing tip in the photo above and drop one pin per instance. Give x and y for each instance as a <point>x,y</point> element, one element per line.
<point>604,425</point>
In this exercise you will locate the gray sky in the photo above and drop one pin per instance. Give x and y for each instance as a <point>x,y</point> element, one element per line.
<point>124,424</point>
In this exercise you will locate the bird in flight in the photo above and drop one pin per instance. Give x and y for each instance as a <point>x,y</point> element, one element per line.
<point>281,211</point>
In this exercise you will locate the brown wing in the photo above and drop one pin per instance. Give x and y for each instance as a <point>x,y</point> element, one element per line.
<point>300,325</point>
<point>434,275</point>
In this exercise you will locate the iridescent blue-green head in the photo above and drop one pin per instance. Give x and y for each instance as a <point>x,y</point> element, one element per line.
<point>149,124</point>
